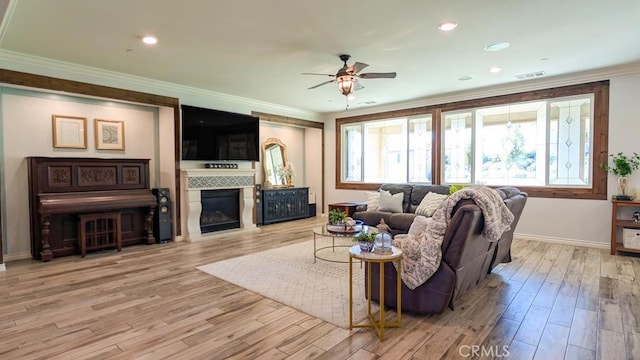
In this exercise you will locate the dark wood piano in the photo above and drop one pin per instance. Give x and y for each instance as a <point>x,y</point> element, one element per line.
<point>61,189</point>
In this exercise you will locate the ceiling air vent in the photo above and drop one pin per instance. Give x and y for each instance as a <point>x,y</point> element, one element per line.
<point>370,102</point>
<point>530,75</point>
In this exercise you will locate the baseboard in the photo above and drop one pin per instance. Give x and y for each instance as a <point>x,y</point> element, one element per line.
<point>563,241</point>
<point>3,268</point>
<point>18,256</point>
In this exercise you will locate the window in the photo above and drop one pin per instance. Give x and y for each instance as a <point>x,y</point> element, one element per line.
<point>391,150</point>
<point>538,143</point>
<point>546,142</point>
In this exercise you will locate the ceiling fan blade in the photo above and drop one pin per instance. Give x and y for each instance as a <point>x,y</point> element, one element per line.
<point>317,74</point>
<point>326,82</point>
<point>357,67</point>
<point>390,75</point>
<point>357,85</point>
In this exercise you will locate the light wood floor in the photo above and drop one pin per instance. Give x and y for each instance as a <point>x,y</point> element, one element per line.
<point>149,302</point>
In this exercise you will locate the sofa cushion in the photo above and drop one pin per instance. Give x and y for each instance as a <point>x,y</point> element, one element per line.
<point>418,226</point>
<point>400,188</point>
<point>420,191</point>
<point>390,203</point>
<point>401,222</point>
<point>372,218</point>
<point>373,200</point>
<point>429,204</point>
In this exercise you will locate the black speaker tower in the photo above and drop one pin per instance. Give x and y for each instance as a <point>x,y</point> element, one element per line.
<point>257,204</point>
<point>162,215</point>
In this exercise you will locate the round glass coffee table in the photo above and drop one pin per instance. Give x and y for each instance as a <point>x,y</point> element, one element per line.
<point>333,246</point>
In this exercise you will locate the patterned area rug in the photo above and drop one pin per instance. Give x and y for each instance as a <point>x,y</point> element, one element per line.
<point>289,275</point>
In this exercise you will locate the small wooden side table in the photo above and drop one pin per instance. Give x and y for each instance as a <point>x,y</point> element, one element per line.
<point>98,231</point>
<point>368,257</point>
<point>348,207</point>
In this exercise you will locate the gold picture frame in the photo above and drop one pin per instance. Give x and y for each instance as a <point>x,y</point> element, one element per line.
<point>109,134</point>
<point>69,131</point>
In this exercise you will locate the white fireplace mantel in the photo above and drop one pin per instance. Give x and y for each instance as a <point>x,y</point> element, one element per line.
<point>196,180</point>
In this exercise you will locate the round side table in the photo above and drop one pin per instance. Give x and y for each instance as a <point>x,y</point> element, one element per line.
<point>370,258</point>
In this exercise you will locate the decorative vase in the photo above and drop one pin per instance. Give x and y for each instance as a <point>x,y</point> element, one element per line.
<point>365,246</point>
<point>290,181</point>
<point>383,242</point>
<point>622,188</point>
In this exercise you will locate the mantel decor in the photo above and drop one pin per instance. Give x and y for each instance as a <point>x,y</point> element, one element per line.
<point>109,134</point>
<point>69,131</point>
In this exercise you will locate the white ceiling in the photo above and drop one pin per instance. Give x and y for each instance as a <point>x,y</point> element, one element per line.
<point>257,49</point>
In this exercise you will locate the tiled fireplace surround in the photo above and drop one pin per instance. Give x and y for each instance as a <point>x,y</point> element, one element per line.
<point>196,180</point>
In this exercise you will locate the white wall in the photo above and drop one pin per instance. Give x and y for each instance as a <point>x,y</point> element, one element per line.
<point>586,222</point>
<point>313,166</point>
<point>26,124</point>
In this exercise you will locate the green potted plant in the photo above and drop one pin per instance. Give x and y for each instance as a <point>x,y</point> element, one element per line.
<point>622,166</point>
<point>336,217</point>
<point>365,240</point>
<point>455,187</point>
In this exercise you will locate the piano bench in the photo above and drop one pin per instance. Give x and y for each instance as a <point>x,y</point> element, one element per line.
<point>99,231</point>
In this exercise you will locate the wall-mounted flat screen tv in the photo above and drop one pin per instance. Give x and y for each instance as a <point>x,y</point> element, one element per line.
<point>212,135</point>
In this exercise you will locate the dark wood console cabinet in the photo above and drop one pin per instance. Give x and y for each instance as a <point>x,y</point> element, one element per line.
<point>62,189</point>
<point>285,204</point>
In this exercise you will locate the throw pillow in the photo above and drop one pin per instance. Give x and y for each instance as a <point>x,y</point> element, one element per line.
<point>373,199</point>
<point>430,203</point>
<point>419,225</point>
<point>390,203</point>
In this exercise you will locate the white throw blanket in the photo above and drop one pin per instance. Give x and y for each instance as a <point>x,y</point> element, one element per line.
<point>421,254</point>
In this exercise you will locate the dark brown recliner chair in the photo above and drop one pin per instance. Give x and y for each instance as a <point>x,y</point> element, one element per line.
<point>515,201</point>
<point>467,258</point>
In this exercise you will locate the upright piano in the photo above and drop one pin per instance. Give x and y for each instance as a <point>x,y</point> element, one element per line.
<point>61,189</point>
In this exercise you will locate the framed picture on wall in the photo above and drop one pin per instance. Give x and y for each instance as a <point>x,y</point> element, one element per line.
<point>109,134</point>
<point>69,131</point>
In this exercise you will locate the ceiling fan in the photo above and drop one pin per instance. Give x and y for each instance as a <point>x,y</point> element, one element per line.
<point>347,76</point>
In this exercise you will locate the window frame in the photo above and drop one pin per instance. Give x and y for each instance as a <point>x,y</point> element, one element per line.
<point>599,89</point>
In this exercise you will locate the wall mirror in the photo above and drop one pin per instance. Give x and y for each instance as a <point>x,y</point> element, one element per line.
<point>274,156</point>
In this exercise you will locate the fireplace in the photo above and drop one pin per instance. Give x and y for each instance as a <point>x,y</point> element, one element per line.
<point>198,181</point>
<point>220,210</point>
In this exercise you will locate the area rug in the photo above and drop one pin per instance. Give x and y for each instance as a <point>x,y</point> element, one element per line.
<point>289,275</point>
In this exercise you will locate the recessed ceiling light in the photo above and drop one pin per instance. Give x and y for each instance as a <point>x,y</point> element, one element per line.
<point>448,26</point>
<point>150,40</point>
<point>497,46</point>
<point>495,69</point>
<point>466,77</point>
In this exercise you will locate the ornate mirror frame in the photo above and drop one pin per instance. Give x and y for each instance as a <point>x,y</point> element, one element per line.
<point>274,156</point>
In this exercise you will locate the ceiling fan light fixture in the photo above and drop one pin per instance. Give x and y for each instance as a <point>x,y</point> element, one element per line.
<point>345,84</point>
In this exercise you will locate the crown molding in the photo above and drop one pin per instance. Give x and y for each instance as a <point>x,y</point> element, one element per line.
<point>16,61</point>
<point>497,90</point>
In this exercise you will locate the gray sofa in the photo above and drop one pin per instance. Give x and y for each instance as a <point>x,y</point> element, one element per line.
<point>466,254</point>
<point>399,222</point>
